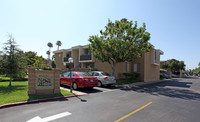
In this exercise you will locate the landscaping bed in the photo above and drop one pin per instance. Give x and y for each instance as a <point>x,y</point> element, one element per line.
<point>125,81</point>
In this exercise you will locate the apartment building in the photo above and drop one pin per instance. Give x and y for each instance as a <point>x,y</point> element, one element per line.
<point>148,66</point>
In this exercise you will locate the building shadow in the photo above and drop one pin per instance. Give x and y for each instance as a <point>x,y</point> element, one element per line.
<point>179,90</point>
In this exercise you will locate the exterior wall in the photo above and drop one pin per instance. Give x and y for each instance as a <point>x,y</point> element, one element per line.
<point>149,66</point>
<point>104,66</point>
<point>75,56</point>
<point>141,62</point>
<point>59,60</point>
<point>151,71</point>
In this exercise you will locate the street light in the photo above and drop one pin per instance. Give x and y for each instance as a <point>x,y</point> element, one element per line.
<point>70,68</point>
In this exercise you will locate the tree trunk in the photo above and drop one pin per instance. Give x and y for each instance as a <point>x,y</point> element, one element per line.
<point>10,79</point>
<point>113,69</point>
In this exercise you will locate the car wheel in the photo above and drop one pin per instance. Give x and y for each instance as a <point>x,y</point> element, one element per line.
<point>99,84</point>
<point>75,86</point>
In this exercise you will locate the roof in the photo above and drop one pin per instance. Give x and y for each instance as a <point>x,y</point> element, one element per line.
<point>70,49</point>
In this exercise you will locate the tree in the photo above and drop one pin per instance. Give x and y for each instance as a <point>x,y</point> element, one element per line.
<point>48,53</point>
<point>31,57</point>
<point>39,63</point>
<point>10,64</point>
<point>58,43</point>
<point>2,66</point>
<point>53,64</point>
<point>21,64</point>
<point>120,41</point>
<point>50,45</point>
<point>174,65</point>
<point>13,62</point>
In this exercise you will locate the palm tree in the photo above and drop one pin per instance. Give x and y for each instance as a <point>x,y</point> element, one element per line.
<point>48,53</point>
<point>50,45</point>
<point>59,43</point>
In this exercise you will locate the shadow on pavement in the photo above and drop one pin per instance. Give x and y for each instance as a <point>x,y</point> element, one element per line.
<point>190,77</point>
<point>93,90</point>
<point>176,83</point>
<point>82,100</point>
<point>162,89</point>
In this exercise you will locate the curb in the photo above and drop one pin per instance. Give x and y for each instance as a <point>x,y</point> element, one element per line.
<point>37,101</point>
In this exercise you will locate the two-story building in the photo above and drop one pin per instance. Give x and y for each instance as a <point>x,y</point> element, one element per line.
<point>148,66</point>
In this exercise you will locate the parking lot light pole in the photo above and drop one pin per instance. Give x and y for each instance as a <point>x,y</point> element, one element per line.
<point>70,68</point>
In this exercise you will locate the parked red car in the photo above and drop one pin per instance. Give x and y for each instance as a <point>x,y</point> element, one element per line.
<point>79,80</point>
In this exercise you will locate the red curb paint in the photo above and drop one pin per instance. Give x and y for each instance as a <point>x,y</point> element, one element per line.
<point>37,101</point>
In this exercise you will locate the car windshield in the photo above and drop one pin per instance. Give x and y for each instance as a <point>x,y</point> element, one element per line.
<point>83,74</point>
<point>105,74</point>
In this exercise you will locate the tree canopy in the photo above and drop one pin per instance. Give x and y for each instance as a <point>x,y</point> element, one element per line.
<point>58,43</point>
<point>14,62</point>
<point>174,65</point>
<point>121,41</point>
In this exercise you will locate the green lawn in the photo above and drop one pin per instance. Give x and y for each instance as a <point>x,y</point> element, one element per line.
<point>125,81</point>
<point>3,78</point>
<point>19,92</point>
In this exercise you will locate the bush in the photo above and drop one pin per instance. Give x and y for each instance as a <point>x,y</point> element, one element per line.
<point>161,76</point>
<point>47,68</point>
<point>131,75</point>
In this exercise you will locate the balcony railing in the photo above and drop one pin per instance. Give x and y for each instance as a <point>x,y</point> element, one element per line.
<point>66,59</point>
<point>85,57</point>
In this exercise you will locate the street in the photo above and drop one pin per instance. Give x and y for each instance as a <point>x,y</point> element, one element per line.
<point>176,100</point>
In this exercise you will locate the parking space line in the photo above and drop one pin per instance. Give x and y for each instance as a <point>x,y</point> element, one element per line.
<point>124,117</point>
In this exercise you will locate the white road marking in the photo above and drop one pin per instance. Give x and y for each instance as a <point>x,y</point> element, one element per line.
<point>50,118</point>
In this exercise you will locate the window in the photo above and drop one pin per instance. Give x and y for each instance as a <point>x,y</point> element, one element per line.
<point>136,67</point>
<point>155,57</point>
<point>96,74</point>
<point>105,74</point>
<point>86,51</point>
<point>73,75</point>
<point>83,74</point>
<point>66,74</point>
<point>68,55</point>
<point>127,66</point>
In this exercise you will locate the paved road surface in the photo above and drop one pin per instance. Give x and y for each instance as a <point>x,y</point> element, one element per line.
<point>177,100</point>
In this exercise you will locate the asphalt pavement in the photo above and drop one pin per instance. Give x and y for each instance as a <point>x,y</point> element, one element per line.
<point>176,100</point>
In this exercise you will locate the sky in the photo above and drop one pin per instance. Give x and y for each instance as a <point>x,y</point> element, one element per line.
<point>174,24</point>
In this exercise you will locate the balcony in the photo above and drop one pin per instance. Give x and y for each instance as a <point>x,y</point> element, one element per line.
<point>85,57</point>
<point>66,59</point>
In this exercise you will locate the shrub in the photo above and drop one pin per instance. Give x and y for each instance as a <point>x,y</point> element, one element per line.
<point>161,76</point>
<point>47,68</point>
<point>131,75</point>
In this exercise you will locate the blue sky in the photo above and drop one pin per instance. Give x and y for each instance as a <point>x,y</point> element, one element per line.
<point>173,24</point>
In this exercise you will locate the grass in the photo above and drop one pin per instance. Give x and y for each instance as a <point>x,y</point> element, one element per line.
<point>3,78</point>
<point>19,92</point>
<point>125,81</point>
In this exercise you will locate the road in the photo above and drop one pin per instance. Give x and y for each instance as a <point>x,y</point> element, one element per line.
<point>176,100</point>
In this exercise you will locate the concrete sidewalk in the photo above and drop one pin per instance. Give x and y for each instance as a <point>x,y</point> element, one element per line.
<point>138,84</point>
<point>74,91</point>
